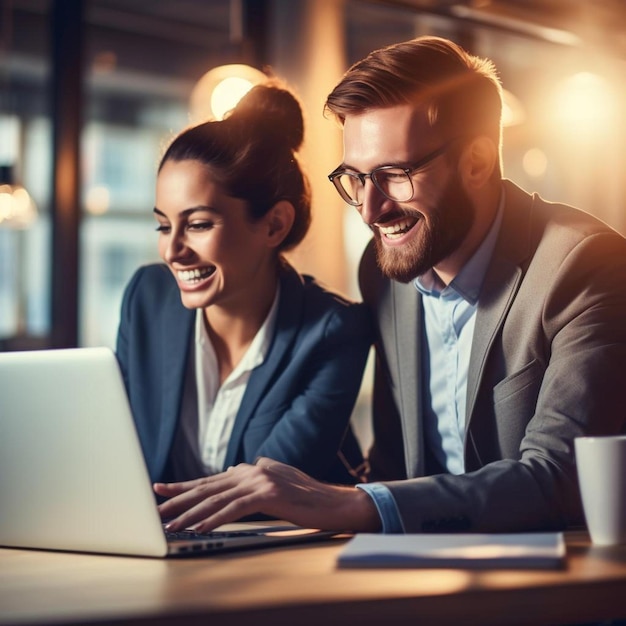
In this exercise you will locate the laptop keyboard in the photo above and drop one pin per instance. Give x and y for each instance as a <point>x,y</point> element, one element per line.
<point>216,534</point>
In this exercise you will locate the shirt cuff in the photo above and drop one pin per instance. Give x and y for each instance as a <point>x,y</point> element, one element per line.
<point>386,506</point>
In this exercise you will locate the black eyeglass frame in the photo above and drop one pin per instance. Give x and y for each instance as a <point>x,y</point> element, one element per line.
<point>333,177</point>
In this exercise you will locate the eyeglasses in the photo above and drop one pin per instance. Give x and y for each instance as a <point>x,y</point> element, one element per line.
<point>393,181</point>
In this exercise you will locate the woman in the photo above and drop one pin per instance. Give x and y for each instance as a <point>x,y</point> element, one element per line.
<point>227,352</point>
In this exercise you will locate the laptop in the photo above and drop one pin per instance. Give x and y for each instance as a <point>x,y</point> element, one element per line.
<point>72,473</point>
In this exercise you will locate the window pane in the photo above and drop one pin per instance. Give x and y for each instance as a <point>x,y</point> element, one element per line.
<point>144,60</point>
<point>25,147</point>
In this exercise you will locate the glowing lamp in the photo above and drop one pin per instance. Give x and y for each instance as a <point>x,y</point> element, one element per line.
<point>219,90</point>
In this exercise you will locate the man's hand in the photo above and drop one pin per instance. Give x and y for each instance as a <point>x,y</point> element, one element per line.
<point>268,487</point>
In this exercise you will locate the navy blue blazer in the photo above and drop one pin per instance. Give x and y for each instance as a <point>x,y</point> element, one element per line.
<point>298,402</point>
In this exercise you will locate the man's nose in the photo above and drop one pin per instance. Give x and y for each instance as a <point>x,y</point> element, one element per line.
<point>372,202</point>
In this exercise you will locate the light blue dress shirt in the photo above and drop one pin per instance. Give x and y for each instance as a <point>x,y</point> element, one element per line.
<point>449,316</point>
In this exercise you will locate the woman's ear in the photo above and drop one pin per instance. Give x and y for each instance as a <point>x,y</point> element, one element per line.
<point>478,161</point>
<point>279,220</point>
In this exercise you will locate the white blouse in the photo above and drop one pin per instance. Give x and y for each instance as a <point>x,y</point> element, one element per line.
<point>218,406</point>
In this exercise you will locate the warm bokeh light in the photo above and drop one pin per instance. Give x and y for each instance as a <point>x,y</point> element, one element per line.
<point>535,162</point>
<point>17,210</point>
<point>585,106</point>
<point>219,90</point>
<point>97,200</point>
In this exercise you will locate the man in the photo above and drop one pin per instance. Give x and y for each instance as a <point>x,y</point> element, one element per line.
<point>501,321</point>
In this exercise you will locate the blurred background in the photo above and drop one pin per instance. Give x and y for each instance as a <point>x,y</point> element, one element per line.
<point>91,91</point>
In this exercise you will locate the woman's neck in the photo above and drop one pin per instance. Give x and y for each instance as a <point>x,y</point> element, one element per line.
<point>232,328</point>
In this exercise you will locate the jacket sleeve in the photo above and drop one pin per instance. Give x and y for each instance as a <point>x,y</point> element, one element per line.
<point>122,349</point>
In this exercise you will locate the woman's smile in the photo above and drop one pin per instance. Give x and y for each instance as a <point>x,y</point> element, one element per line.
<point>195,276</point>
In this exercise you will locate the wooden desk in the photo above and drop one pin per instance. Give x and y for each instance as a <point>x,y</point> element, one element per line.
<point>301,586</point>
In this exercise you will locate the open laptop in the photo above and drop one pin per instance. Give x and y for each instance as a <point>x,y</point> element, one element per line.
<point>72,473</point>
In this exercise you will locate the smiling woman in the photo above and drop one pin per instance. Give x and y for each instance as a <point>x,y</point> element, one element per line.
<point>227,352</point>
<point>212,247</point>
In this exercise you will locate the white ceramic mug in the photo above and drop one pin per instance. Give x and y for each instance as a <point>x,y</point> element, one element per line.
<point>601,463</point>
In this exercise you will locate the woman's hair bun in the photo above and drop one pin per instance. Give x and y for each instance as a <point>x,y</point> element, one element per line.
<point>271,108</point>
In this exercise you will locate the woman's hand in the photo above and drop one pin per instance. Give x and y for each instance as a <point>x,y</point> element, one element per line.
<point>268,487</point>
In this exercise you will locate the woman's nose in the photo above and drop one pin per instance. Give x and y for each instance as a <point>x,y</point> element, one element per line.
<point>176,248</point>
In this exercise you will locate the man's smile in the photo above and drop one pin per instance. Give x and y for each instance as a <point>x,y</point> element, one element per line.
<point>397,228</point>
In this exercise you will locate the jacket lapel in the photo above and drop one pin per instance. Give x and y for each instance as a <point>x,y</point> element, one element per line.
<point>501,283</point>
<point>497,295</point>
<point>407,323</point>
<point>288,320</point>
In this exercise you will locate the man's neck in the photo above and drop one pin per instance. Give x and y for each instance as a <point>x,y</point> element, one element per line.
<point>486,210</point>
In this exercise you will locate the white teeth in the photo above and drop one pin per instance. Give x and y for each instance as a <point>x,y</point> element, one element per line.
<point>398,228</point>
<point>196,275</point>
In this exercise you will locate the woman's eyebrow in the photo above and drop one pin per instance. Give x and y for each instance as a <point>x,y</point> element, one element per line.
<point>190,210</point>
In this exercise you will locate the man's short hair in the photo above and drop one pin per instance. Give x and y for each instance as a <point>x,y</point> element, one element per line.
<point>461,93</point>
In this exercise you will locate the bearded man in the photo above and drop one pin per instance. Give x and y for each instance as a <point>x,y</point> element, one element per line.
<point>501,333</point>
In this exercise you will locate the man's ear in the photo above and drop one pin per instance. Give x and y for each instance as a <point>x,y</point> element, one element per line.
<point>478,161</point>
<point>279,220</point>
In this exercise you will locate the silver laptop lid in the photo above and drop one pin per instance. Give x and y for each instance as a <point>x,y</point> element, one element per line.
<point>72,474</point>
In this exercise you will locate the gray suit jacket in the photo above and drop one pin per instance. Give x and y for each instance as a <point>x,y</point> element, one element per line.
<point>548,363</point>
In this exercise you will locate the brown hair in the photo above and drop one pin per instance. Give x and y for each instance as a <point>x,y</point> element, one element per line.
<point>461,93</point>
<point>252,154</point>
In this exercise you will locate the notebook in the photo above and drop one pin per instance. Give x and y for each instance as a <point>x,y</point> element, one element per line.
<point>474,551</point>
<point>72,473</point>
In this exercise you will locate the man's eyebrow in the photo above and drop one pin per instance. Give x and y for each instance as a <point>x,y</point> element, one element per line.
<point>346,166</point>
<point>190,210</point>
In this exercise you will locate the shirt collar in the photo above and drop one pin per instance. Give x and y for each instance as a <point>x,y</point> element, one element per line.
<point>468,281</point>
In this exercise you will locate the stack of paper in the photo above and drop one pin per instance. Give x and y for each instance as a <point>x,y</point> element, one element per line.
<point>515,550</point>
